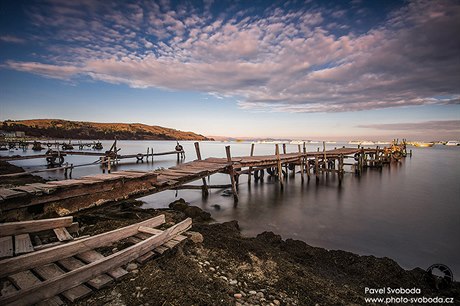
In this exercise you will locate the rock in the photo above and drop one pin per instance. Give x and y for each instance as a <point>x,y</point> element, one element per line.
<point>212,269</point>
<point>195,237</point>
<point>207,263</point>
<point>233,282</point>
<point>227,193</point>
<point>224,278</point>
<point>216,206</point>
<point>252,292</point>
<point>197,213</point>
<point>135,271</point>
<point>179,205</point>
<point>138,288</point>
<point>276,302</point>
<point>131,266</point>
<point>260,294</point>
<point>237,295</point>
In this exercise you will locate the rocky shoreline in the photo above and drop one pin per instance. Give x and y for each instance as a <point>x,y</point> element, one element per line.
<point>217,266</point>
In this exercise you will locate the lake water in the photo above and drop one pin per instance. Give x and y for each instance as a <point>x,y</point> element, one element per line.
<point>408,211</point>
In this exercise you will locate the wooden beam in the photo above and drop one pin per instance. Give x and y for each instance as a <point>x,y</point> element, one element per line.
<point>250,168</point>
<point>74,278</point>
<point>42,257</point>
<point>232,174</point>
<point>24,227</point>
<point>198,156</point>
<point>280,169</point>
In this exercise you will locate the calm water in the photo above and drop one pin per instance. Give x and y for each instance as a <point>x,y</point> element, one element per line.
<point>409,211</point>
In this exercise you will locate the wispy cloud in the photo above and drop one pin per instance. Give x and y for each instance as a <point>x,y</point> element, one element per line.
<point>12,39</point>
<point>279,60</point>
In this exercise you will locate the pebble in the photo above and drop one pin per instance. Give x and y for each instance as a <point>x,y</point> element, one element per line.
<point>138,288</point>
<point>260,294</point>
<point>212,269</point>
<point>224,278</point>
<point>135,271</point>
<point>237,295</point>
<point>252,292</point>
<point>132,266</point>
<point>114,250</point>
<point>276,302</point>
<point>195,237</point>
<point>233,282</point>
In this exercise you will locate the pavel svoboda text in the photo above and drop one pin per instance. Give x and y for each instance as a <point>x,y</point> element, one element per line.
<point>389,290</point>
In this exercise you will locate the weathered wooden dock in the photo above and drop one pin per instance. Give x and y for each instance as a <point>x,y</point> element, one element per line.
<point>68,196</point>
<point>74,268</point>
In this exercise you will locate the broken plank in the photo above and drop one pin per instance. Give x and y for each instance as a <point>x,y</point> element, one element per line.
<point>92,256</point>
<point>27,261</point>
<point>15,228</point>
<point>22,244</point>
<point>6,193</point>
<point>72,263</point>
<point>62,234</point>
<point>73,278</point>
<point>6,247</point>
<point>26,279</point>
<point>146,257</point>
<point>51,271</point>
<point>149,230</point>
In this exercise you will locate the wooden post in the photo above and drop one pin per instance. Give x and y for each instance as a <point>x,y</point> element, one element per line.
<point>232,174</point>
<point>198,156</point>
<point>340,169</point>
<point>109,166</point>
<point>316,167</point>
<point>147,156</point>
<point>250,168</point>
<point>301,159</point>
<point>103,164</point>
<point>284,152</point>
<point>280,168</point>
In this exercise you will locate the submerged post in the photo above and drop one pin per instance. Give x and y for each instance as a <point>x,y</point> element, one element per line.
<point>284,152</point>
<point>250,168</point>
<point>232,174</point>
<point>301,160</point>
<point>198,156</point>
<point>280,168</point>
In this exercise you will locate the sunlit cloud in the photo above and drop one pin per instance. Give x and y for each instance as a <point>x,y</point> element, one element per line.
<point>280,60</point>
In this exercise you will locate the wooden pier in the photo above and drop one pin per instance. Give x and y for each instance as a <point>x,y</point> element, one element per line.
<point>68,196</point>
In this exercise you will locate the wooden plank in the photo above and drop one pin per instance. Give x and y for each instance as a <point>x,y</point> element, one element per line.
<point>51,271</point>
<point>7,288</point>
<point>143,236</point>
<point>72,263</point>
<point>6,193</point>
<point>6,247</point>
<point>45,188</point>
<point>23,227</point>
<point>149,230</point>
<point>133,239</point>
<point>22,244</point>
<point>92,256</point>
<point>27,279</point>
<point>62,234</point>
<point>146,257</point>
<point>38,258</point>
<point>28,189</point>
<point>161,249</point>
<point>73,278</point>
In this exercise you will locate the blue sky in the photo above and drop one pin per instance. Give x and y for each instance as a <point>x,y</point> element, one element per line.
<point>291,69</point>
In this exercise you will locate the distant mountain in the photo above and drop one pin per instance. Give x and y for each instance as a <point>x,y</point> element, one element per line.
<point>64,129</point>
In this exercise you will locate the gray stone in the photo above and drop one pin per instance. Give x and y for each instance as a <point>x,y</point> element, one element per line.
<point>252,292</point>
<point>233,282</point>
<point>276,302</point>
<point>131,266</point>
<point>237,295</point>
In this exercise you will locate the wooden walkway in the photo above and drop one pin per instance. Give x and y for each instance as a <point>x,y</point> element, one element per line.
<point>68,196</point>
<point>72,270</point>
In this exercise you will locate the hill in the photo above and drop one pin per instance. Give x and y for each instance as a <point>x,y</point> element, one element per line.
<point>56,128</point>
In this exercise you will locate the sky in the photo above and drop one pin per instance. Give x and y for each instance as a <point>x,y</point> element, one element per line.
<point>329,70</point>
